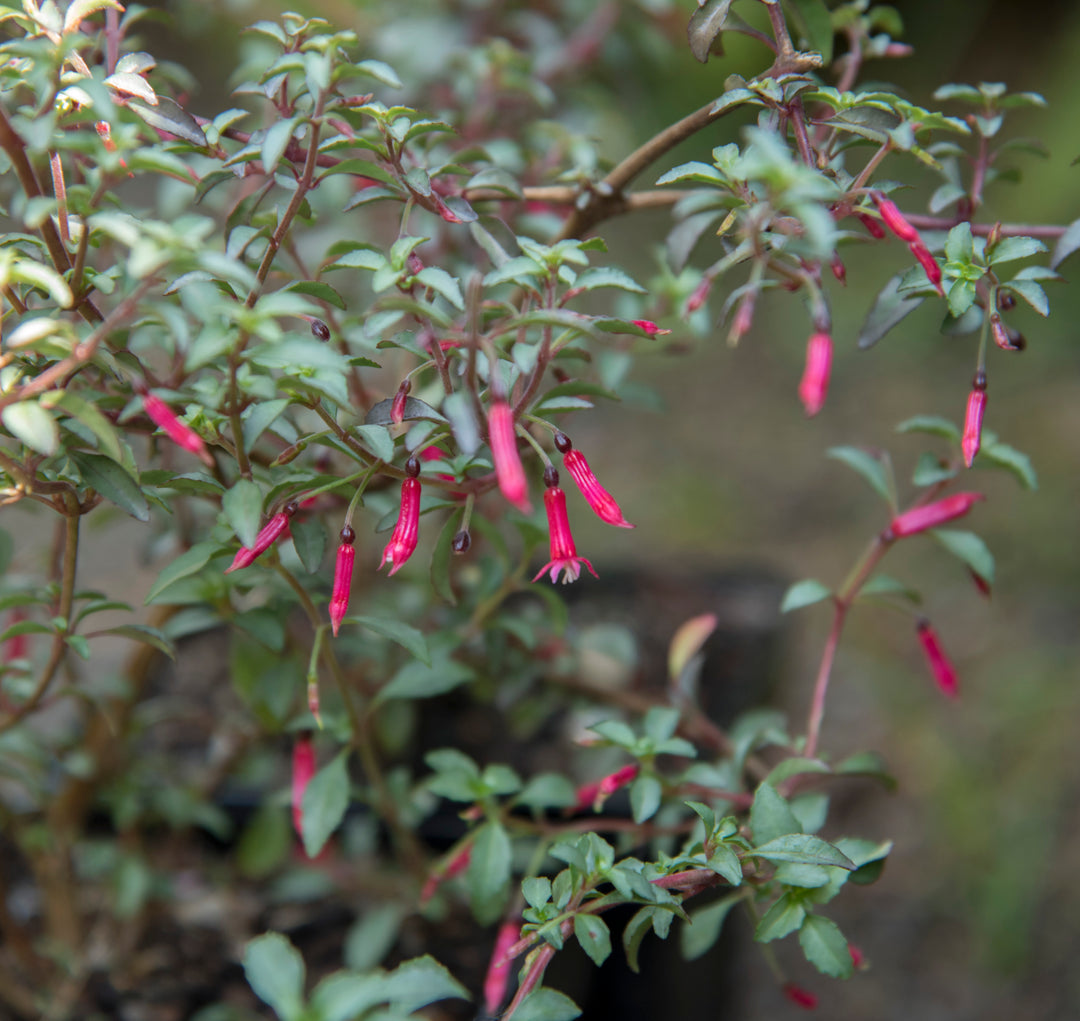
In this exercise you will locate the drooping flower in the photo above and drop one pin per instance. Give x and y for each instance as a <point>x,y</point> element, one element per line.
<point>273,530</point>
<point>407,530</point>
<point>508,470</point>
<point>894,219</point>
<point>815,380</point>
<point>179,432</point>
<point>601,501</point>
<point>564,555</point>
<point>593,795</point>
<point>498,972</point>
<point>943,671</point>
<point>303,769</point>
<point>929,264</point>
<point>799,996</point>
<point>973,419</point>
<point>343,571</point>
<point>919,519</point>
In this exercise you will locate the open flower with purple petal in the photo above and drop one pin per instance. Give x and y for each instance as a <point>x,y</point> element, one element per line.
<point>564,556</point>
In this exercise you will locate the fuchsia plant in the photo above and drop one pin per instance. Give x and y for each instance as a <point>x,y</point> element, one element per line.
<point>460,306</point>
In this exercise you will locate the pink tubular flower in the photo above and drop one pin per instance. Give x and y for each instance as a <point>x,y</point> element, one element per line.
<point>929,264</point>
<point>407,530</point>
<point>697,298</point>
<point>649,327</point>
<point>498,973</point>
<point>397,406</point>
<point>180,433</point>
<point>919,519</point>
<point>504,452</point>
<point>563,552</point>
<point>976,407</point>
<point>593,795</point>
<point>601,501</point>
<point>943,670</point>
<point>343,570</point>
<point>875,228</point>
<point>839,270</point>
<point>273,530</point>
<point>799,996</point>
<point>458,864</point>
<point>303,769</point>
<point>815,380</point>
<point>894,219</point>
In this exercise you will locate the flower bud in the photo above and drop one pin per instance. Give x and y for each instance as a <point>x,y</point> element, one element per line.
<point>931,515</point>
<point>273,530</point>
<point>941,668</point>
<point>839,270</point>
<point>599,499</point>
<point>929,264</point>
<point>815,380</point>
<point>699,294</point>
<point>179,432</point>
<point>649,327</point>
<point>503,441</point>
<point>973,419</point>
<point>406,533</point>
<point>303,769</point>
<point>593,795</point>
<point>397,406</point>
<point>498,973</point>
<point>872,225</point>
<point>458,864</point>
<point>319,329</point>
<point>799,996</point>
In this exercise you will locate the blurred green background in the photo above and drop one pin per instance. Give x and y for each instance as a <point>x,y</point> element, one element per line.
<point>976,915</point>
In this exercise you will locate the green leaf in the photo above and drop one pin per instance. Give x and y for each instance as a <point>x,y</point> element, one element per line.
<point>1068,243</point>
<point>171,117</point>
<point>804,593</point>
<point>725,862</point>
<point>373,935</point>
<point>929,470</point>
<point>380,72</point>
<point>782,919</point>
<point>378,440</point>
<point>825,947</point>
<point>869,467</point>
<point>816,24</point>
<point>706,24</point>
<point>275,971</point>
<point>594,936</point>
<point>29,422</point>
<point>182,567</point>
<point>409,638</point>
<point>416,983</point>
<point>1031,292</point>
<point>88,414</point>
<point>970,549</point>
<point>932,424</point>
<point>884,585</point>
<point>309,541</point>
<point>418,680</point>
<point>488,875</point>
<point>112,482</point>
<point>317,289</point>
<point>81,9</point>
<point>145,634</point>
<point>607,276</point>
<point>442,283</point>
<point>771,816</point>
<point>889,308</point>
<point>1009,249</point>
<point>325,802</point>
<point>1019,464</point>
<point>275,143</point>
<point>703,928</point>
<point>645,795</point>
<point>547,1005</point>
<point>243,510</point>
<point>804,849</point>
<point>795,766</point>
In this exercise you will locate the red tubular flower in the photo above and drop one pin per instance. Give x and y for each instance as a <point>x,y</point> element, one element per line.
<point>919,519</point>
<point>343,570</point>
<point>303,769</point>
<point>601,501</point>
<point>273,530</point>
<point>697,298</point>
<point>744,318</point>
<point>973,420</point>
<point>839,270</point>
<point>180,433</point>
<point>407,530</point>
<point>504,452</point>
<point>928,263</point>
<point>894,219</point>
<point>593,795</point>
<point>649,327</point>
<point>858,958</point>
<point>563,552</point>
<point>940,666</point>
<point>799,996</point>
<point>875,228</point>
<point>815,380</point>
<point>498,973</point>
